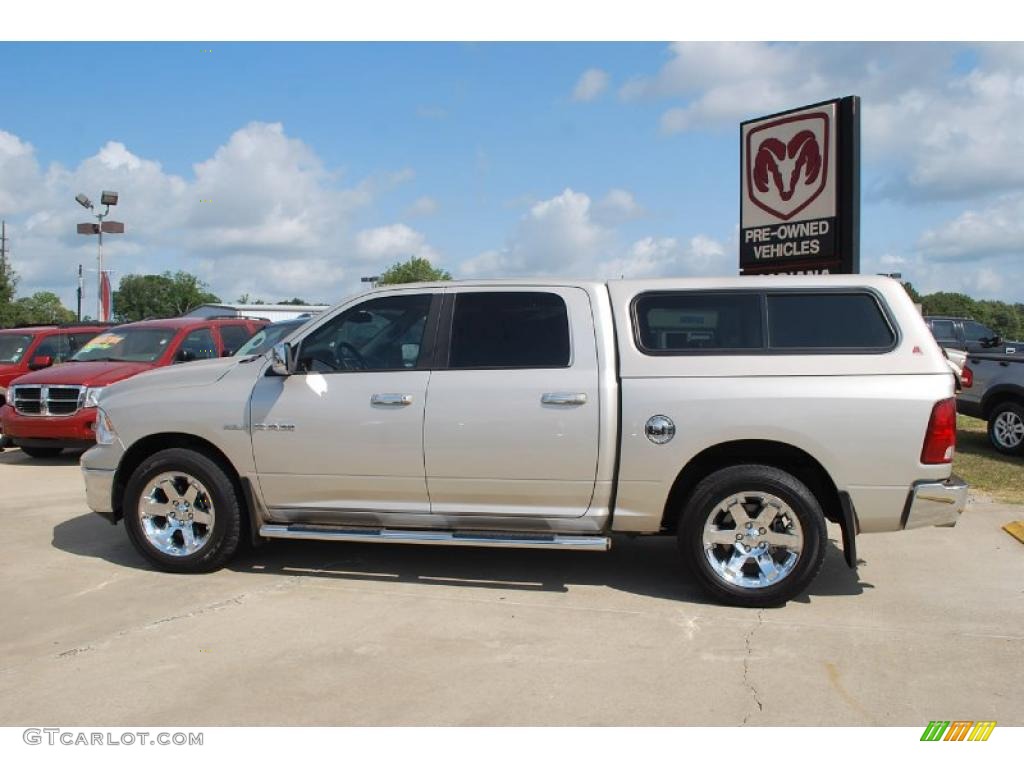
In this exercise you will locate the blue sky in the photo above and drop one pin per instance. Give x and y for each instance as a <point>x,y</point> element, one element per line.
<point>327,161</point>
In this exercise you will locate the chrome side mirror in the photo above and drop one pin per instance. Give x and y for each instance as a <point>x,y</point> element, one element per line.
<point>281,359</point>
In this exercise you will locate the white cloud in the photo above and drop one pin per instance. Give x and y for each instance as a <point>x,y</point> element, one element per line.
<point>931,128</point>
<point>994,230</point>
<point>423,206</point>
<point>618,206</point>
<point>394,242</point>
<point>262,215</point>
<point>553,237</point>
<point>591,84</point>
<point>563,236</point>
<point>19,174</point>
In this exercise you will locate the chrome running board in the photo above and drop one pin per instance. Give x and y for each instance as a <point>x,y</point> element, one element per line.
<point>447,538</point>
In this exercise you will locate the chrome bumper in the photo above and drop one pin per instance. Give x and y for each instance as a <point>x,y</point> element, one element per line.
<point>99,490</point>
<point>935,503</point>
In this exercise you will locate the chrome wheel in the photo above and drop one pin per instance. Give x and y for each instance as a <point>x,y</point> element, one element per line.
<point>752,539</point>
<point>1008,429</point>
<point>176,513</point>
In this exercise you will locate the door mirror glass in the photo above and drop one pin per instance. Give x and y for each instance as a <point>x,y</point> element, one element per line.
<point>280,359</point>
<point>185,356</point>
<point>40,361</point>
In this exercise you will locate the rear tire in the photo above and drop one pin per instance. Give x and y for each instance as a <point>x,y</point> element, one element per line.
<point>182,512</point>
<point>753,535</point>
<point>37,452</point>
<point>1006,428</point>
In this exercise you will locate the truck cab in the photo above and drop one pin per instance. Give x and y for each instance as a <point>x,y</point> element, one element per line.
<point>967,335</point>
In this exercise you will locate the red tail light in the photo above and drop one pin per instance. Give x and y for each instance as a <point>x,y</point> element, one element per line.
<point>940,439</point>
<point>966,378</point>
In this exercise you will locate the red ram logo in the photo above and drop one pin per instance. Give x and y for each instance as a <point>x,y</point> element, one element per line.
<point>788,170</point>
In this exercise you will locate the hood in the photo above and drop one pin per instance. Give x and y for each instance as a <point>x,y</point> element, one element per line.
<point>97,374</point>
<point>194,374</point>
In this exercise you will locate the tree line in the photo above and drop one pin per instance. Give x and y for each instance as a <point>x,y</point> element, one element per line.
<point>1006,318</point>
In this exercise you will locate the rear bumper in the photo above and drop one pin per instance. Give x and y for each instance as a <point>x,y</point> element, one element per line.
<point>935,503</point>
<point>75,431</point>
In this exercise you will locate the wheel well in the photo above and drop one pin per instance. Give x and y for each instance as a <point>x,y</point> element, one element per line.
<point>147,446</point>
<point>996,399</point>
<point>786,457</point>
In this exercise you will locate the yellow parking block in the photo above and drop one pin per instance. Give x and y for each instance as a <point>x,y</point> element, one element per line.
<point>1015,529</point>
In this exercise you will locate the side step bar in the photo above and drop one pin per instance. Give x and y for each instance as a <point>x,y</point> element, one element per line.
<point>448,538</point>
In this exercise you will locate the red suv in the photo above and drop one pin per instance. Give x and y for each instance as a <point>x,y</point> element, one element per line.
<point>31,347</point>
<point>53,409</point>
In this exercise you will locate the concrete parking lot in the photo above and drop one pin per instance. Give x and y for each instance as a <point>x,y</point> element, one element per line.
<point>931,626</point>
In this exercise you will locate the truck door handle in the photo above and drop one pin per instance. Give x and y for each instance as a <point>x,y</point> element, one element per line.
<point>563,398</point>
<point>389,398</point>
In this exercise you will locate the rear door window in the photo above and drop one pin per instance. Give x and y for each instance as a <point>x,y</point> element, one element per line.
<point>977,332</point>
<point>827,321</point>
<point>198,345</point>
<point>513,329</point>
<point>679,323</point>
<point>233,337</point>
<point>944,332</point>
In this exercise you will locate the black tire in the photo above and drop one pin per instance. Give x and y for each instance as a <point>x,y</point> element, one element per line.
<point>708,499</point>
<point>997,434</point>
<point>222,541</point>
<point>37,452</point>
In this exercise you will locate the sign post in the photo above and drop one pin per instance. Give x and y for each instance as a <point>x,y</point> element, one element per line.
<point>800,190</point>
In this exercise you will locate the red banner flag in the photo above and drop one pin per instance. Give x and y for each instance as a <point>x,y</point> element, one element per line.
<point>106,300</point>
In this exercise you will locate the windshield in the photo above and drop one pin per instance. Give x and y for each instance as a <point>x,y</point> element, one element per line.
<point>13,347</point>
<point>142,345</point>
<point>265,339</point>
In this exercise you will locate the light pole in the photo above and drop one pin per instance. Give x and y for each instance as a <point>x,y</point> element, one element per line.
<point>107,199</point>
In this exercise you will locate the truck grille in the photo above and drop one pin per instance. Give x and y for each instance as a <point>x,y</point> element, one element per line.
<point>46,400</point>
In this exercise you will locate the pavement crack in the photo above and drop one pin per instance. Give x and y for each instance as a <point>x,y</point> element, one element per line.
<point>748,642</point>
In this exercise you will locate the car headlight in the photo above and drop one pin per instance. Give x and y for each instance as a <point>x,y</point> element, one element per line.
<point>92,397</point>
<point>105,432</point>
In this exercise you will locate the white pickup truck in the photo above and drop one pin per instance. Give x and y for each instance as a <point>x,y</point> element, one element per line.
<point>738,414</point>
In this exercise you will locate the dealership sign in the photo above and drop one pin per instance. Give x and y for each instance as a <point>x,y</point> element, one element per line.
<point>800,190</point>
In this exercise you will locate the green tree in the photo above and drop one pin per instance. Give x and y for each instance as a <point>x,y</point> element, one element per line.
<point>296,302</point>
<point>953,304</point>
<point>415,270</point>
<point>8,284</point>
<point>245,298</point>
<point>914,295</point>
<point>40,307</point>
<point>166,295</point>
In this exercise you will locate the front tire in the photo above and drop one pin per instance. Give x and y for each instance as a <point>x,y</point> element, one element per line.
<point>182,512</point>
<point>1006,428</point>
<point>753,535</point>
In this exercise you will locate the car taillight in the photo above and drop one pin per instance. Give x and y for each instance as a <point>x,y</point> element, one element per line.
<point>966,378</point>
<point>940,439</point>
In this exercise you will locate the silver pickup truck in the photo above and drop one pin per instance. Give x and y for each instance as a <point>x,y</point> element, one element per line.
<point>737,414</point>
<point>992,388</point>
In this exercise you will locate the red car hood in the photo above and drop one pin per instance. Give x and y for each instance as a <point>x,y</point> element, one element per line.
<point>97,374</point>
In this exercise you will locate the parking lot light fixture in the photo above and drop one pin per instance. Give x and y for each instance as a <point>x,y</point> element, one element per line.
<point>107,198</point>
